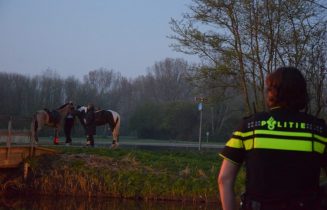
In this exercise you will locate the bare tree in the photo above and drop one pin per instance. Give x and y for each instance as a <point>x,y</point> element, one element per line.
<point>102,80</point>
<point>167,80</point>
<point>49,87</point>
<point>71,89</point>
<point>98,84</point>
<point>242,41</point>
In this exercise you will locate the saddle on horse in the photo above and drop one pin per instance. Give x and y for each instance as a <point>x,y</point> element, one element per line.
<point>54,116</point>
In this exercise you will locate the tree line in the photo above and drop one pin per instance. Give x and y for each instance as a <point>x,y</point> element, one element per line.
<point>158,105</point>
<point>239,43</point>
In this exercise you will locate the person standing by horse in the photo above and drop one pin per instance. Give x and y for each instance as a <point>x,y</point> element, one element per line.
<point>68,125</point>
<point>90,125</point>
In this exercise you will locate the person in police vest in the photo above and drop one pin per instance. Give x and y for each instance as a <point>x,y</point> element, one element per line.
<point>283,150</point>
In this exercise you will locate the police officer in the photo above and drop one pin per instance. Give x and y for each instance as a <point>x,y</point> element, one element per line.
<point>90,125</point>
<point>283,150</point>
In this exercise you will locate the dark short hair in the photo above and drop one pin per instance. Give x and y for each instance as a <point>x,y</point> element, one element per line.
<point>286,87</point>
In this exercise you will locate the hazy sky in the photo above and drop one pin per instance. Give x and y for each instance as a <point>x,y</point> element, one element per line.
<point>73,37</point>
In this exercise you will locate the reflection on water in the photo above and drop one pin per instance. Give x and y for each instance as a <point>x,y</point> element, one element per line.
<point>73,203</point>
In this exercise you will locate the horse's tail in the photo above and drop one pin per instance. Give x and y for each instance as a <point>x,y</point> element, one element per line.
<point>115,131</point>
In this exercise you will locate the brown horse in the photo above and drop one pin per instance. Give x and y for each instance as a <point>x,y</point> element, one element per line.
<point>53,119</point>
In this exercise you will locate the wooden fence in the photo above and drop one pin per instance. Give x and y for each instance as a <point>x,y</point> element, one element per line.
<point>12,155</point>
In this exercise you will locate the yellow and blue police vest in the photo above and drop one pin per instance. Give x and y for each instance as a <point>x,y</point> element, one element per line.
<point>283,152</point>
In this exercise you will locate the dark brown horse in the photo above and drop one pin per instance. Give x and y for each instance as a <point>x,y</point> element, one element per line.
<point>103,117</point>
<point>53,119</point>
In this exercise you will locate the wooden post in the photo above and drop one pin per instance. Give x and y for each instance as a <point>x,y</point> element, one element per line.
<point>9,138</point>
<point>25,172</point>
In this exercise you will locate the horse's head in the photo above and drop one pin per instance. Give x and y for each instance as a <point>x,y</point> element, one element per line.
<point>67,106</point>
<point>81,109</point>
<point>80,112</point>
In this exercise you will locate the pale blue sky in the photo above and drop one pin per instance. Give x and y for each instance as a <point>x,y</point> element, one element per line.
<point>73,37</point>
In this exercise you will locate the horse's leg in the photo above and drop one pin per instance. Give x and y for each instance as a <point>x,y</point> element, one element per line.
<point>38,125</point>
<point>36,138</point>
<point>35,130</point>
<point>115,138</point>
<point>56,138</point>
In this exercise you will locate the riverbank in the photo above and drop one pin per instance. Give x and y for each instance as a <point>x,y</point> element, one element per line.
<point>188,176</point>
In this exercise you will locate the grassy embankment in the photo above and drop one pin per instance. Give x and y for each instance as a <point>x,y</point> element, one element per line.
<point>128,173</point>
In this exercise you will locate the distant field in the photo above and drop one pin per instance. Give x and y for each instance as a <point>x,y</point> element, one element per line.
<point>124,142</point>
<point>122,139</point>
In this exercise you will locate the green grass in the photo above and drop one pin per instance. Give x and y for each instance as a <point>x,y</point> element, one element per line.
<point>127,173</point>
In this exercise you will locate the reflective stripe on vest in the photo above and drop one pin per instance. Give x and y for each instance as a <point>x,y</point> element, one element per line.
<point>278,140</point>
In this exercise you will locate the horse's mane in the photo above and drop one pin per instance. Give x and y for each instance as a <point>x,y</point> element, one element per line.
<point>61,107</point>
